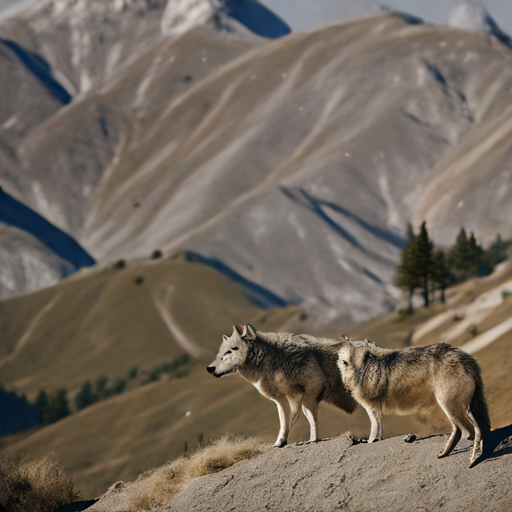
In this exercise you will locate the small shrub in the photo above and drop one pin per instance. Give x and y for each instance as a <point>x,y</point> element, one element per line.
<point>133,372</point>
<point>154,374</point>
<point>139,280</point>
<point>119,265</point>
<point>28,485</point>
<point>157,254</point>
<point>506,294</point>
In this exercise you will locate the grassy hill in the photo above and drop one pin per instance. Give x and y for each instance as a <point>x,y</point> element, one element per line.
<point>60,329</point>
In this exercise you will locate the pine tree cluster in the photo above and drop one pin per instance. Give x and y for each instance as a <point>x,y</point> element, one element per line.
<point>52,407</point>
<point>423,267</point>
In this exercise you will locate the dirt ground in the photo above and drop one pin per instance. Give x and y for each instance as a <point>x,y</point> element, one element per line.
<point>337,475</point>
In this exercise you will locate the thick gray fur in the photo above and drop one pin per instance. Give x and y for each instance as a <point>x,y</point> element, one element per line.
<point>414,380</point>
<point>293,370</point>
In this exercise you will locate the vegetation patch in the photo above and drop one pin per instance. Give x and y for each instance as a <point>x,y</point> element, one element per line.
<point>157,488</point>
<point>28,485</point>
<point>422,267</point>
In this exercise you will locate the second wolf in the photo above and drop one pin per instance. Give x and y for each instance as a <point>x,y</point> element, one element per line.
<point>293,370</point>
<point>414,380</point>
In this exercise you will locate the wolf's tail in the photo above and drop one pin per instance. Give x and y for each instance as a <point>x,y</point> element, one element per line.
<point>478,406</point>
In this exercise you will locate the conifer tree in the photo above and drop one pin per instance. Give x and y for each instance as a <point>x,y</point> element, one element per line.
<point>57,406</point>
<point>405,274</point>
<point>459,256</point>
<point>85,397</point>
<point>476,255</point>
<point>441,273</point>
<point>41,404</point>
<point>422,250</point>
<point>497,252</point>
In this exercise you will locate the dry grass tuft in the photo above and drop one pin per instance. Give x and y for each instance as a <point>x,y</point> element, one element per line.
<point>28,485</point>
<point>158,487</point>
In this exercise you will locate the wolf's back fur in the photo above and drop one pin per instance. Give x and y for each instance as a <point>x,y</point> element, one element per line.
<point>300,362</point>
<point>414,379</point>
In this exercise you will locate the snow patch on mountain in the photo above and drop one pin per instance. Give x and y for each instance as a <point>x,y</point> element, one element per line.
<point>472,16</point>
<point>223,15</point>
<point>181,15</point>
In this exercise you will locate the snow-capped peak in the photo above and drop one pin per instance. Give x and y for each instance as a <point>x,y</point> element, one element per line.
<point>181,15</point>
<point>472,16</point>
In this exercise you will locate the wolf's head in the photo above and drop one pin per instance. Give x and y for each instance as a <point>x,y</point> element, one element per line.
<point>350,358</point>
<point>233,351</point>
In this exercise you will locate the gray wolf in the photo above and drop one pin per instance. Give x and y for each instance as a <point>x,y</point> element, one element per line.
<point>414,380</point>
<point>292,370</point>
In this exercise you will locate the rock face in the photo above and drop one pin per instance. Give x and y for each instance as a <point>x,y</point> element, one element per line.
<point>473,16</point>
<point>297,163</point>
<point>27,264</point>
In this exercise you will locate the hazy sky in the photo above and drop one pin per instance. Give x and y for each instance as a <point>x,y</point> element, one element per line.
<point>301,14</point>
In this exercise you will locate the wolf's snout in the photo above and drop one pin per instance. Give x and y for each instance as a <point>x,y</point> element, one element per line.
<point>210,369</point>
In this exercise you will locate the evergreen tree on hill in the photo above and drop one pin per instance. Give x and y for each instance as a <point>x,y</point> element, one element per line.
<point>422,254</point>
<point>476,256</point>
<point>41,404</point>
<point>441,273</point>
<point>459,256</point>
<point>85,397</point>
<point>498,251</point>
<point>57,407</point>
<point>467,257</point>
<point>405,274</point>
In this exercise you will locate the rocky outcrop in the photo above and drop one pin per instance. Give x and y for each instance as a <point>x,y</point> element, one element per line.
<point>336,475</point>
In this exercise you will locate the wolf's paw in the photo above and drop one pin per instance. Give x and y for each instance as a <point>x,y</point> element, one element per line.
<point>280,444</point>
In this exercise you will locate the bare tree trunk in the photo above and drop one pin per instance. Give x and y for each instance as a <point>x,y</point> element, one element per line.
<point>411,293</point>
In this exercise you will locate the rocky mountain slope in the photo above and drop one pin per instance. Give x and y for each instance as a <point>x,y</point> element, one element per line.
<point>268,155</point>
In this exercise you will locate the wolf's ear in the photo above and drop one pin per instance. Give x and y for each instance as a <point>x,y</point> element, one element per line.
<point>249,333</point>
<point>237,330</point>
<point>224,337</point>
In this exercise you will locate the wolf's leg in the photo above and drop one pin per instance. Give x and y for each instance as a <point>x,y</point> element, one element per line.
<point>454,408</point>
<point>295,401</point>
<point>452,442</point>
<point>380,435</point>
<point>478,436</point>
<point>376,421</point>
<point>310,409</point>
<point>456,422</point>
<point>283,408</point>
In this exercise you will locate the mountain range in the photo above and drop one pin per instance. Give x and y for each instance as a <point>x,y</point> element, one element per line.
<point>166,174</point>
<point>297,163</point>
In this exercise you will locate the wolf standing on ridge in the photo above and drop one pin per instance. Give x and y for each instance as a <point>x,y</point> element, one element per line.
<point>289,369</point>
<point>414,379</point>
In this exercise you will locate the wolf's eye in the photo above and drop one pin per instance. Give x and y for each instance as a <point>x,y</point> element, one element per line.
<point>228,352</point>
<point>234,348</point>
